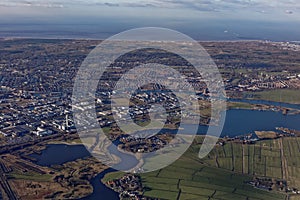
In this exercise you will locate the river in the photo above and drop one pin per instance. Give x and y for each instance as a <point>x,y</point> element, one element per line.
<point>238,122</point>
<point>57,154</point>
<point>241,122</point>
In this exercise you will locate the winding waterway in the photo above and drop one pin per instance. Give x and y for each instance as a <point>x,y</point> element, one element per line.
<point>101,192</point>
<point>57,154</point>
<point>238,122</point>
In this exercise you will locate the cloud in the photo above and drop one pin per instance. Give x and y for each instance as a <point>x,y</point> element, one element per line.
<point>112,4</point>
<point>201,5</point>
<point>210,4</point>
<point>31,3</point>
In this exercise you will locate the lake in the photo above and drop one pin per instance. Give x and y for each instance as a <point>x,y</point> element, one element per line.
<point>241,122</point>
<point>238,122</point>
<point>57,154</point>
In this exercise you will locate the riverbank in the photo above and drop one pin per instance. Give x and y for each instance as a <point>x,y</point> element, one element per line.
<point>190,177</point>
<point>100,189</point>
<point>288,96</point>
<point>238,122</point>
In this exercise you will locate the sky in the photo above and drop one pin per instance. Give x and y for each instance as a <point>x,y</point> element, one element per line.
<point>202,5</point>
<point>197,18</point>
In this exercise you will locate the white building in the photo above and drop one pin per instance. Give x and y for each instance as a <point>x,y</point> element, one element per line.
<point>43,132</point>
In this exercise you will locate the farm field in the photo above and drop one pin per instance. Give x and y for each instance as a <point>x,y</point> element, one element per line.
<point>279,95</point>
<point>276,158</point>
<point>192,178</point>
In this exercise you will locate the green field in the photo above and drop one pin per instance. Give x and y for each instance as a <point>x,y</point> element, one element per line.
<point>111,176</point>
<point>239,105</point>
<point>279,95</point>
<point>191,178</point>
<point>266,158</point>
<point>30,176</point>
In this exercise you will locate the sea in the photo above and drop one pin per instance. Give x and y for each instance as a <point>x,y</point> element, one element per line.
<point>202,30</point>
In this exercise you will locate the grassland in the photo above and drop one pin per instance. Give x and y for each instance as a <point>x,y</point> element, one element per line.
<point>294,197</point>
<point>266,134</point>
<point>191,178</point>
<point>129,129</point>
<point>31,176</point>
<point>239,105</point>
<point>68,181</point>
<point>113,175</point>
<point>277,158</point>
<point>279,95</point>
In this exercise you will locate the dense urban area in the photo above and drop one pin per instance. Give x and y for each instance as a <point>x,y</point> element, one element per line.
<point>37,77</point>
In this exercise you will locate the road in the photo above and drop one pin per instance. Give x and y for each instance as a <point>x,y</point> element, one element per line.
<point>4,183</point>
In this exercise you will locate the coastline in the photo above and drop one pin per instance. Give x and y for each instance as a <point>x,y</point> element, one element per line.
<point>101,39</point>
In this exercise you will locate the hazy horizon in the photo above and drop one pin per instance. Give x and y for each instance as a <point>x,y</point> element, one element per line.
<point>201,20</point>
